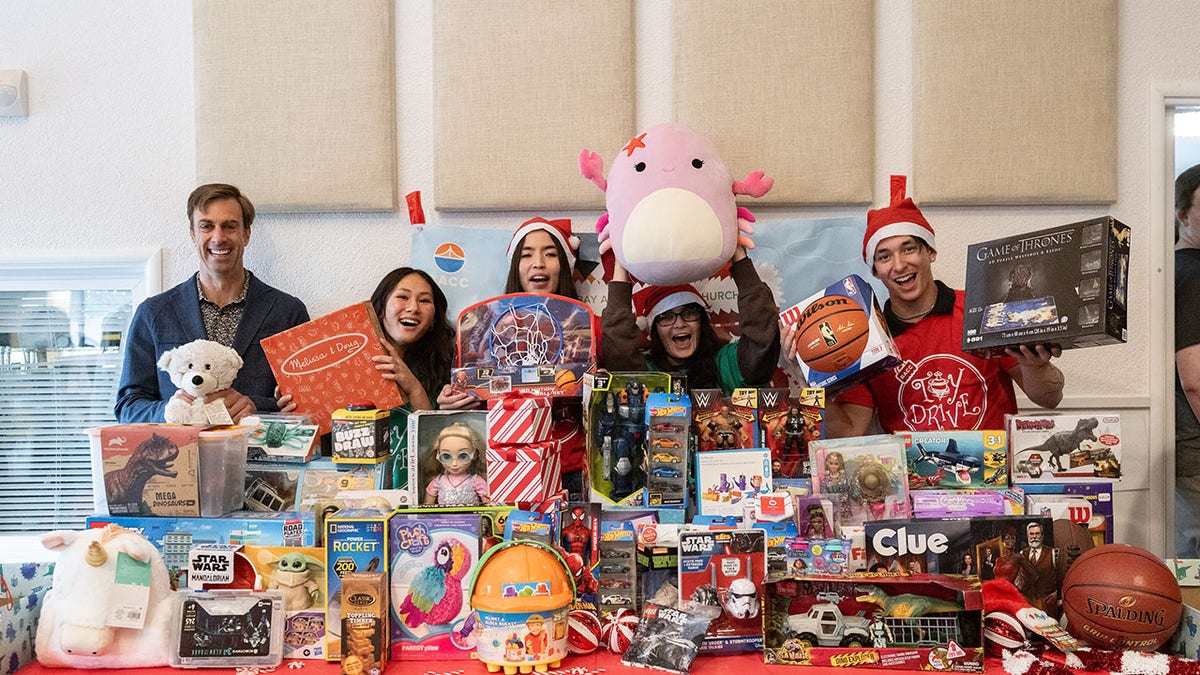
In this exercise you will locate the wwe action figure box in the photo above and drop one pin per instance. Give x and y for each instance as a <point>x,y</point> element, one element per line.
<point>1065,286</point>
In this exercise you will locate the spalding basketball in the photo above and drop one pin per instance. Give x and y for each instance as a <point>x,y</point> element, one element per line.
<point>618,630</point>
<point>583,632</point>
<point>832,333</point>
<point>1118,596</point>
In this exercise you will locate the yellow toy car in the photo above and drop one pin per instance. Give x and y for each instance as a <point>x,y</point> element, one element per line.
<point>664,457</point>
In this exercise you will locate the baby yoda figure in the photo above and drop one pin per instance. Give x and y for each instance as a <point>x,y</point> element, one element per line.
<point>293,576</point>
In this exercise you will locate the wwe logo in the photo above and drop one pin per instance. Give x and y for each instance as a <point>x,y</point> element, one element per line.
<point>703,398</point>
<point>769,398</point>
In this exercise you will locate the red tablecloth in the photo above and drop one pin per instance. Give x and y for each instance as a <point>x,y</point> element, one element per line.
<point>592,664</point>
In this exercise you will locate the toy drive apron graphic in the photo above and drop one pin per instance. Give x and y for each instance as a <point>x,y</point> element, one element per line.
<point>941,391</point>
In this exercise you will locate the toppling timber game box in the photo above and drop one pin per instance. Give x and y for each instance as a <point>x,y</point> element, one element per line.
<point>327,363</point>
<point>841,337</point>
<point>927,622</point>
<point>1065,286</point>
<point>529,342</point>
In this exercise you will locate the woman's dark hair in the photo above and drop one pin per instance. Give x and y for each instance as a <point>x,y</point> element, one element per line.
<point>701,366</point>
<point>431,357</point>
<point>1185,187</point>
<point>566,275</point>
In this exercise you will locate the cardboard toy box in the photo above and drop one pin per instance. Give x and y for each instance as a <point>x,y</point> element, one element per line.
<point>858,622</point>
<point>728,568</point>
<point>787,425</point>
<point>361,434</point>
<point>1055,448</point>
<point>1066,286</point>
<point>864,477</point>
<point>958,459</point>
<point>722,423</point>
<point>842,338</point>
<point>1186,641</point>
<point>151,469</point>
<point>423,430</point>
<point>299,574</point>
<point>327,363</point>
<point>1098,494</point>
<point>540,344</point>
<point>727,479</point>
<point>667,419</point>
<point>615,418</point>
<point>356,540</point>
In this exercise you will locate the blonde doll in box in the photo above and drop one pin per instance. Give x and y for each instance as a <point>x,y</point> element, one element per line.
<point>456,463</point>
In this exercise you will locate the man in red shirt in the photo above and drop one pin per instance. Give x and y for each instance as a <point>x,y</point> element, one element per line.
<point>937,386</point>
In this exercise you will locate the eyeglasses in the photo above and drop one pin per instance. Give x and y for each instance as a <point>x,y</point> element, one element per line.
<point>447,457</point>
<point>689,314</point>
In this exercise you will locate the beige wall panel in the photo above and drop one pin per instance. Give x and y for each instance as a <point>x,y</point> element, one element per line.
<point>1015,101</point>
<point>519,89</point>
<point>785,87</point>
<point>295,102</point>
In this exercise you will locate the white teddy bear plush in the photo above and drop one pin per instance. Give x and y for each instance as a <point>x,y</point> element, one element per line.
<point>199,368</point>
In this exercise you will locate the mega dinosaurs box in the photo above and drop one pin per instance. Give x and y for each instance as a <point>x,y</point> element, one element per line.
<point>151,470</point>
<point>1064,286</point>
<point>927,622</point>
<point>1064,448</point>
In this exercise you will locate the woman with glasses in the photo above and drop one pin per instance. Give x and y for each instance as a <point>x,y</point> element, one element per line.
<point>682,337</point>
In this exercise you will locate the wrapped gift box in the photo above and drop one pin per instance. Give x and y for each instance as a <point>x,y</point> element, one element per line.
<point>523,473</point>
<point>23,586</point>
<point>518,418</point>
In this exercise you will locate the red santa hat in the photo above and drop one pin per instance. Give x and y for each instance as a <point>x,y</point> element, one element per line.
<point>900,217</point>
<point>559,229</point>
<point>654,300</point>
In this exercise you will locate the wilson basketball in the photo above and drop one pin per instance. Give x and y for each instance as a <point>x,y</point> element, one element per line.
<point>1118,596</point>
<point>832,333</point>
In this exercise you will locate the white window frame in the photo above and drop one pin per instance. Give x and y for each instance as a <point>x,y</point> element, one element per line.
<point>81,269</point>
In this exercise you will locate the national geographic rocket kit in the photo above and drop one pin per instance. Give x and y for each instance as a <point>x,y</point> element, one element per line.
<point>1066,286</point>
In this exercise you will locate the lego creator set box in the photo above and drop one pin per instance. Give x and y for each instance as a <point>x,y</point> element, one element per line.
<point>726,569</point>
<point>299,574</point>
<point>447,458</point>
<point>1064,286</point>
<point>1064,448</point>
<point>956,459</point>
<point>149,470</point>
<point>615,417</point>
<point>931,622</point>
<point>327,363</point>
<point>667,418</point>
<point>432,557</point>
<point>727,480</point>
<point>841,337</point>
<point>865,478</point>
<point>540,344</point>
<point>355,541</point>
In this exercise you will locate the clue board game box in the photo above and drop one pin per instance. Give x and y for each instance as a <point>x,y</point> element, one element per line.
<point>1054,448</point>
<point>327,363</point>
<point>1065,286</point>
<point>956,459</point>
<point>872,623</point>
<point>841,337</point>
<point>539,344</point>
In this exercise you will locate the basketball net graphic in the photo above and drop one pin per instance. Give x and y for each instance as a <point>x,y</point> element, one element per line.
<point>525,336</point>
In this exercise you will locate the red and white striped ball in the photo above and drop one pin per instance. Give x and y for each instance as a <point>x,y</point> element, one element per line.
<point>583,632</point>
<point>618,630</point>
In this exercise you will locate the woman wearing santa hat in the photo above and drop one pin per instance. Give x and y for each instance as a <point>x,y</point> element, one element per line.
<point>541,258</point>
<point>681,334</point>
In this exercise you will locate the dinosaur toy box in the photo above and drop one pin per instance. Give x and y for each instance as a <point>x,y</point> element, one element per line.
<point>147,469</point>
<point>1065,286</point>
<point>929,622</point>
<point>841,337</point>
<point>432,557</point>
<point>956,459</point>
<point>1064,448</point>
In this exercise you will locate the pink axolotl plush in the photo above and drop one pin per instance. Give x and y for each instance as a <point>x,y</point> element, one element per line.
<point>672,218</point>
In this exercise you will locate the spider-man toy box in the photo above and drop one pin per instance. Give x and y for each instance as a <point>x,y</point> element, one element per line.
<point>529,342</point>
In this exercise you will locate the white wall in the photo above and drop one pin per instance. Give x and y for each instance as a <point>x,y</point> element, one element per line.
<point>106,160</point>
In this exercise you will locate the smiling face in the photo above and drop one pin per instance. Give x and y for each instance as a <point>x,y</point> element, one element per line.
<point>220,237</point>
<point>538,263</point>
<point>905,266</point>
<point>679,332</point>
<point>410,311</point>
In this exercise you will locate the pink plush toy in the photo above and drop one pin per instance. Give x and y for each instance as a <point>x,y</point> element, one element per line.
<point>74,630</point>
<point>671,215</point>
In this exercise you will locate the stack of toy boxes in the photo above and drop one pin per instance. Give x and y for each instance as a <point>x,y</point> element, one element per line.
<point>615,417</point>
<point>843,334</point>
<point>315,486</point>
<point>524,464</point>
<point>1066,286</point>
<point>667,420</point>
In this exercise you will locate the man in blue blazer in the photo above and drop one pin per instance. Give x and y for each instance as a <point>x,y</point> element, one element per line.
<point>222,302</point>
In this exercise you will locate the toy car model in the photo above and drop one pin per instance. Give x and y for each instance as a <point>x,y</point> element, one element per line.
<point>614,599</point>
<point>614,583</point>
<point>666,443</point>
<point>613,568</point>
<point>670,488</point>
<point>666,428</point>
<point>664,457</point>
<point>615,553</point>
<point>665,472</point>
